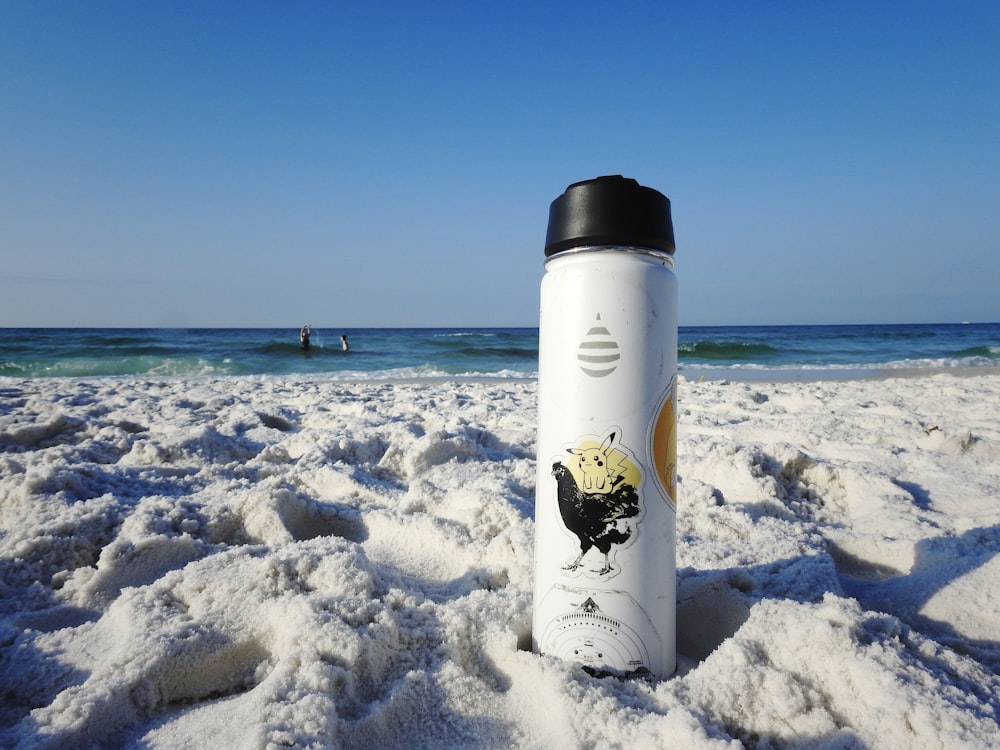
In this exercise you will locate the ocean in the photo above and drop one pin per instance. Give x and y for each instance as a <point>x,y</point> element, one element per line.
<point>507,353</point>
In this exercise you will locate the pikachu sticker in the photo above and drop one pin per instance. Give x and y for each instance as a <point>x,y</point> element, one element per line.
<point>598,500</point>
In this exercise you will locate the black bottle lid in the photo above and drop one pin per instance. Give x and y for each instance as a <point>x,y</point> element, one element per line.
<point>611,210</point>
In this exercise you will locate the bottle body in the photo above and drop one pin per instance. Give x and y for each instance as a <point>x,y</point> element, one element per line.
<point>605,507</point>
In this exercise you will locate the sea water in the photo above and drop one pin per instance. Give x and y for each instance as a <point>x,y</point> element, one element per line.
<point>837,350</point>
<point>374,354</point>
<point>456,353</point>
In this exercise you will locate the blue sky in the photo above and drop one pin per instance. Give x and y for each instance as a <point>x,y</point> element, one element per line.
<point>390,164</point>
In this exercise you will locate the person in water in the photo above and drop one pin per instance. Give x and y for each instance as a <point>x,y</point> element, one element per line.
<point>343,343</point>
<point>304,335</point>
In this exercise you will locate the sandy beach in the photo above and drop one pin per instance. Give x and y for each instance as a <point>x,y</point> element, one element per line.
<point>273,562</point>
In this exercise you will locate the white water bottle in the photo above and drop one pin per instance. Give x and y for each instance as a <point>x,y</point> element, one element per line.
<point>605,505</point>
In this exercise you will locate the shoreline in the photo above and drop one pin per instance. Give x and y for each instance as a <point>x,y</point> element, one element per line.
<point>692,374</point>
<point>771,375</point>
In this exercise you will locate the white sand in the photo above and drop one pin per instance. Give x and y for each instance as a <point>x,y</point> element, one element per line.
<point>243,563</point>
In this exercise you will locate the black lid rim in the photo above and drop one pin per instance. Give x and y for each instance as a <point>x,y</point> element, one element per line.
<point>611,211</point>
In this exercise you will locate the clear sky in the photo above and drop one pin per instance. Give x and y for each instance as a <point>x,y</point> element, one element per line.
<point>381,163</point>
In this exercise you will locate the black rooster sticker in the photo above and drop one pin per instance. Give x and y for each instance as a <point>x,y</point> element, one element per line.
<point>598,501</point>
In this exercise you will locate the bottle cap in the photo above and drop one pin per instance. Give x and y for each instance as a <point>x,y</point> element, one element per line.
<point>611,210</point>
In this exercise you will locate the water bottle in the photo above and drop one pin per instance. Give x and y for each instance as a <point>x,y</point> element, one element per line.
<point>605,506</point>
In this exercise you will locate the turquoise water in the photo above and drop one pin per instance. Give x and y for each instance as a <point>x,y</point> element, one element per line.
<point>834,349</point>
<point>375,353</point>
<point>404,354</point>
